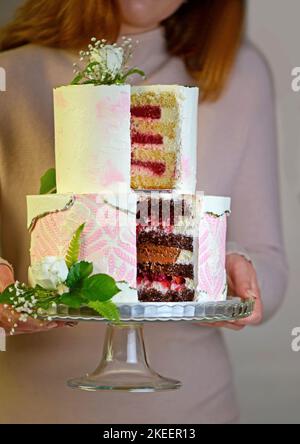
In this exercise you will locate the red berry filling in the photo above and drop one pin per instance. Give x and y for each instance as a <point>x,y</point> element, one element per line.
<point>147,111</point>
<point>152,139</point>
<point>157,168</point>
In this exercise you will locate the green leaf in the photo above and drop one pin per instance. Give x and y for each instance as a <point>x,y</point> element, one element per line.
<point>48,182</point>
<point>108,310</point>
<point>89,82</point>
<point>78,272</point>
<point>41,292</point>
<point>74,299</point>
<point>100,287</point>
<point>90,66</point>
<point>74,247</point>
<point>77,79</point>
<point>131,72</point>
<point>7,295</point>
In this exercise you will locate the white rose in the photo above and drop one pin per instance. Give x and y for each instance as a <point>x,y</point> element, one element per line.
<point>50,273</point>
<point>109,57</point>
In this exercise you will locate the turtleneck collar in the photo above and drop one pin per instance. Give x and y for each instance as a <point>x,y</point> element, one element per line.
<point>150,53</point>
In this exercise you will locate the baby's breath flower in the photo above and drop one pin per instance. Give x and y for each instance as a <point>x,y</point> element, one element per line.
<point>105,63</point>
<point>23,318</point>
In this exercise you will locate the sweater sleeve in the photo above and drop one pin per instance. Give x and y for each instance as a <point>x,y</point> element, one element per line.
<point>3,116</point>
<point>255,223</point>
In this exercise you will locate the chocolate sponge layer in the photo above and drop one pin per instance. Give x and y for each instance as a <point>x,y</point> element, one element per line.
<point>152,295</point>
<point>159,237</point>
<point>151,268</point>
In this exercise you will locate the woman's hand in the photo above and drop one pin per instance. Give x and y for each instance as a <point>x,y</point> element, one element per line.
<point>9,320</point>
<point>6,277</point>
<point>242,282</point>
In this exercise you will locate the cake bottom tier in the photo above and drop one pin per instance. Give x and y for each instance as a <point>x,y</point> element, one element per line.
<point>158,264</point>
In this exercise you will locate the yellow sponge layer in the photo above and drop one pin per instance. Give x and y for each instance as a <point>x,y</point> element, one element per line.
<point>167,129</point>
<point>140,182</point>
<point>166,99</point>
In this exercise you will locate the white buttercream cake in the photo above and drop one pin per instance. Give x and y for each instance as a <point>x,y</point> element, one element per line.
<point>92,138</point>
<point>161,246</point>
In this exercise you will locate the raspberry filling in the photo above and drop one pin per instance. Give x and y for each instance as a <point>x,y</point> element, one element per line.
<point>151,139</point>
<point>157,168</point>
<point>146,111</point>
<point>161,282</point>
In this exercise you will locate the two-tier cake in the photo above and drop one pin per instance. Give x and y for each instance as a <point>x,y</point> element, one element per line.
<point>126,169</point>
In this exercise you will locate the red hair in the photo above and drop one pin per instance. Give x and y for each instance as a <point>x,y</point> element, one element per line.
<point>206,34</point>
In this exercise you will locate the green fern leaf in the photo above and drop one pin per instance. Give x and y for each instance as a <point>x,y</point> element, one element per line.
<point>74,247</point>
<point>108,310</point>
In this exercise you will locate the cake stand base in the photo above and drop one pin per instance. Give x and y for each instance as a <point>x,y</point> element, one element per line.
<point>124,365</point>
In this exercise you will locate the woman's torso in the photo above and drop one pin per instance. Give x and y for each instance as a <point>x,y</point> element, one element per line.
<point>34,369</point>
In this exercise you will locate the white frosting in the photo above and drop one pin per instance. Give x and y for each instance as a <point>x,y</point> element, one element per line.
<point>202,296</point>
<point>189,138</point>
<point>187,134</point>
<point>184,225</point>
<point>92,138</point>
<point>185,257</point>
<point>126,295</point>
<point>39,205</point>
<point>216,204</point>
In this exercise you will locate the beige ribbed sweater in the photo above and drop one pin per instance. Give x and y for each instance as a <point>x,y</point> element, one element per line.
<point>236,157</point>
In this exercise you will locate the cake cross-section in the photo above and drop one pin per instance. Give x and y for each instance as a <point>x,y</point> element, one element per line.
<point>166,248</point>
<point>164,138</point>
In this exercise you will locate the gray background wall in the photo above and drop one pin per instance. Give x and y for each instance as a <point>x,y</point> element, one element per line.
<point>267,370</point>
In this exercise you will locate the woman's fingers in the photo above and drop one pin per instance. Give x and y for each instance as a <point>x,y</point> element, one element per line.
<point>242,281</point>
<point>6,277</point>
<point>256,317</point>
<point>10,321</point>
<point>239,272</point>
<point>224,324</point>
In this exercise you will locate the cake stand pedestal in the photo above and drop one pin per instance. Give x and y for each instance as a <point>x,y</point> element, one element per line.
<point>124,365</point>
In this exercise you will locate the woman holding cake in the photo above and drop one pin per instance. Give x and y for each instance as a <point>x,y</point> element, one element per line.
<point>179,43</point>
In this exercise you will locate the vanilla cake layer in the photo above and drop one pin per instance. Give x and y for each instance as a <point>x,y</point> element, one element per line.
<point>92,138</point>
<point>164,137</point>
<point>161,255</point>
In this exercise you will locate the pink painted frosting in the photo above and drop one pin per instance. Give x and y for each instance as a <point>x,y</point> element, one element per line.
<point>211,261</point>
<point>111,247</point>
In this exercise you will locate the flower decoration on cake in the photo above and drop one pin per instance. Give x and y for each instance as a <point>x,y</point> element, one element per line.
<point>62,280</point>
<point>105,64</point>
<point>50,273</point>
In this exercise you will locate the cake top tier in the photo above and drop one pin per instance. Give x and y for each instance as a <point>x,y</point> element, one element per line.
<point>110,137</point>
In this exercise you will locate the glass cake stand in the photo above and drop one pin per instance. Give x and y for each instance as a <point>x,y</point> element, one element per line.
<point>124,365</point>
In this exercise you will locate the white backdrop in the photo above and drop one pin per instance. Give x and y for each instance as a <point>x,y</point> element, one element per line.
<point>267,370</point>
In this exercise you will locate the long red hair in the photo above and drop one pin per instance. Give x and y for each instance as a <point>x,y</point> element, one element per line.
<point>206,34</point>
